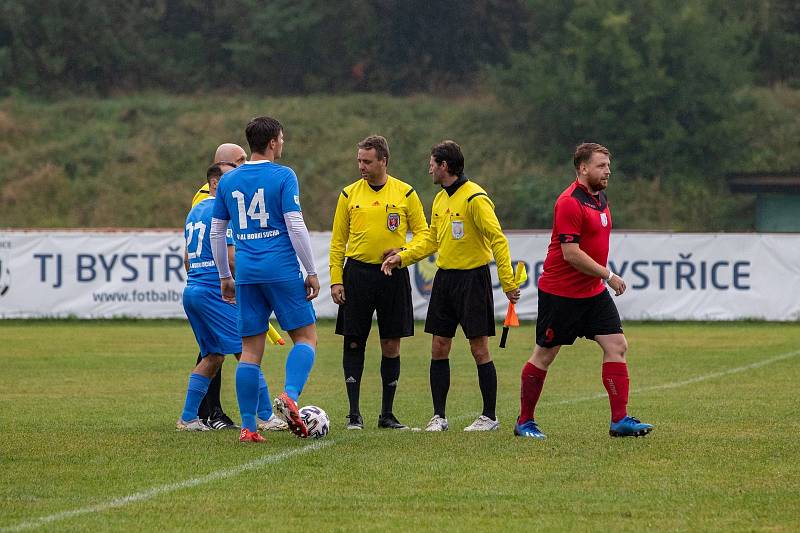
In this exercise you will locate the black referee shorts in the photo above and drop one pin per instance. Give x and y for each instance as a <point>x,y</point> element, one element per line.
<point>368,290</point>
<point>461,297</point>
<point>561,320</point>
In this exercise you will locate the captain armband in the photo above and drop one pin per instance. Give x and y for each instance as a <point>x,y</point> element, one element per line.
<point>565,238</point>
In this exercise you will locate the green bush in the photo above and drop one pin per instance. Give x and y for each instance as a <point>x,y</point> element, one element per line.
<point>643,78</point>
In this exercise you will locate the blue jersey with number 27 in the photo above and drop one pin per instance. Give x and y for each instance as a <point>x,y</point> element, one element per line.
<point>254,198</point>
<point>202,269</point>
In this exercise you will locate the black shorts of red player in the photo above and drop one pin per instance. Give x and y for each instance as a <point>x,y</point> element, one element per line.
<point>561,320</point>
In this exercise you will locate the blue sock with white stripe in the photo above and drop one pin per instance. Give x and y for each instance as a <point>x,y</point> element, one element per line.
<point>247,393</point>
<point>195,392</point>
<point>264,402</point>
<point>298,367</point>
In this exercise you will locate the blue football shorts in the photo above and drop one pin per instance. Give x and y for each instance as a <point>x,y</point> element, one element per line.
<point>287,299</point>
<point>212,319</point>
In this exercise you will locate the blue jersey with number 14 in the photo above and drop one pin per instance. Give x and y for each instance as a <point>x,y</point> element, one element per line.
<point>254,198</point>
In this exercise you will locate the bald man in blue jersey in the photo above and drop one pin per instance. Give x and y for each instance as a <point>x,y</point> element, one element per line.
<point>261,202</point>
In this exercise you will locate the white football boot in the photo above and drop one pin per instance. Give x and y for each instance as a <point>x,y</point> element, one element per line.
<point>483,423</point>
<point>437,423</point>
<point>191,425</point>
<point>274,423</point>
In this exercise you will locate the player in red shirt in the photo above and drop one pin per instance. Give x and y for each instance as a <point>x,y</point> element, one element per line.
<point>573,300</point>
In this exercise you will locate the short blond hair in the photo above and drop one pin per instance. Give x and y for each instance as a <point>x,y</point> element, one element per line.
<point>584,151</point>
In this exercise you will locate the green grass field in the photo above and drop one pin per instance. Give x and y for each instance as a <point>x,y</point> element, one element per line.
<point>87,438</point>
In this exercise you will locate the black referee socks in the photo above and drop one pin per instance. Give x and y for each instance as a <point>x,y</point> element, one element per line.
<point>440,385</point>
<point>353,365</point>
<point>390,373</point>
<point>211,401</point>
<point>487,380</point>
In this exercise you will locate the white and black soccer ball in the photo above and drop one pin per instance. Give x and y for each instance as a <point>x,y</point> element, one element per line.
<point>316,420</point>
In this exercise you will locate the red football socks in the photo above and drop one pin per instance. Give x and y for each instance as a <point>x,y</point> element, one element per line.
<point>532,383</point>
<point>616,381</point>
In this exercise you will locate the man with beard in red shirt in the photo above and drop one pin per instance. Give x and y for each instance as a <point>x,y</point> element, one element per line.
<point>573,300</point>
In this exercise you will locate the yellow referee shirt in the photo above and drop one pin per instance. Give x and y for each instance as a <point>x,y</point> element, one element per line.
<point>200,195</point>
<point>465,231</point>
<point>369,222</point>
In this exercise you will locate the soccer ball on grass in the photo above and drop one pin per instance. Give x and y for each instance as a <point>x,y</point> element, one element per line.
<point>316,420</point>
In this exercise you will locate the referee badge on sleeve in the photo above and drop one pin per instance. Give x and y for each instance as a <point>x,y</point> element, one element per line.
<point>393,221</point>
<point>457,227</point>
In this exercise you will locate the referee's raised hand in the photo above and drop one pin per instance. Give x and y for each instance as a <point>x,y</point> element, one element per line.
<point>390,252</point>
<point>391,262</point>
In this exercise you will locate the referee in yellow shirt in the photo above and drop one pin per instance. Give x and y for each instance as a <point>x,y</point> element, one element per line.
<point>465,231</point>
<point>373,217</point>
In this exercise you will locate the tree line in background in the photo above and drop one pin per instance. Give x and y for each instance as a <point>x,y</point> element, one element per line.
<point>398,46</point>
<point>279,46</point>
<point>671,86</point>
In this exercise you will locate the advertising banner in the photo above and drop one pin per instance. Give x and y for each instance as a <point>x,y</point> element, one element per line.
<point>94,274</point>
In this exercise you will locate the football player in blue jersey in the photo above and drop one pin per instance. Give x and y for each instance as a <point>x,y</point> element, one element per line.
<point>261,201</point>
<point>228,156</point>
<point>213,320</point>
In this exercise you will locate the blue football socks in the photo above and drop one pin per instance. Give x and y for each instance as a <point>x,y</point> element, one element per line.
<point>195,392</point>
<point>298,367</point>
<point>264,402</point>
<point>247,393</point>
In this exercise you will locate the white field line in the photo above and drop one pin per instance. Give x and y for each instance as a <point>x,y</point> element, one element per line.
<point>690,381</point>
<point>171,487</point>
<point>280,457</point>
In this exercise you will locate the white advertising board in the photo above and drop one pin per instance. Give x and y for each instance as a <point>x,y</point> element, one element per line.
<point>93,274</point>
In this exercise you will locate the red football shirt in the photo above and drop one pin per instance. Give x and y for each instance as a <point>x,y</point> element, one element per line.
<point>583,218</point>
